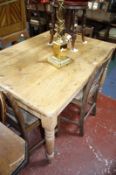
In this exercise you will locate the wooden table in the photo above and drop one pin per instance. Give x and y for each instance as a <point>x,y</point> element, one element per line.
<point>43,89</point>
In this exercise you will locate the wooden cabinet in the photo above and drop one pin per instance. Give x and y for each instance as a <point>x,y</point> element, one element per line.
<point>12,16</point>
<point>12,21</point>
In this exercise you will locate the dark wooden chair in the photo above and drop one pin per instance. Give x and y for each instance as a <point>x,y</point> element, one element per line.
<point>108,33</point>
<point>21,120</point>
<point>71,19</point>
<point>87,98</point>
<point>88,31</point>
<point>37,17</point>
<point>13,152</point>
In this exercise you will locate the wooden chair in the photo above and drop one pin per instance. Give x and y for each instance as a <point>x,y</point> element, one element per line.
<point>87,98</point>
<point>23,122</point>
<point>88,31</point>
<point>37,21</point>
<point>108,33</point>
<point>13,152</point>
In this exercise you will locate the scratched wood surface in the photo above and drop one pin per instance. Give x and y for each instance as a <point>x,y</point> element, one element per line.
<point>12,150</point>
<point>40,87</point>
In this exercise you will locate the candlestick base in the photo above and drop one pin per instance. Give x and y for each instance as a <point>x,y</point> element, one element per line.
<point>59,62</point>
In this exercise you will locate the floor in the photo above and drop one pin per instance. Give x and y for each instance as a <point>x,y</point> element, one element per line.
<point>109,88</point>
<point>93,154</point>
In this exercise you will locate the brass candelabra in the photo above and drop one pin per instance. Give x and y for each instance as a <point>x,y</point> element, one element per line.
<point>60,45</point>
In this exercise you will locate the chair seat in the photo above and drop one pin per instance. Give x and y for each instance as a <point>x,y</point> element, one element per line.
<point>112,33</point>
<point>87,30</point>
<point>29,120</point>
<point>76,2</point>
<point>35,22</point>
<point>83,3</point>
<point>12,151</point>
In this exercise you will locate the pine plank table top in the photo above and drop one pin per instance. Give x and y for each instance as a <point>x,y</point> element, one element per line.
<point>41,88</point>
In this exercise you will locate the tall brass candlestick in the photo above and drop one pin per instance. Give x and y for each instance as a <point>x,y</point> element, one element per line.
<point>60,45</point>
<point>60,19</point>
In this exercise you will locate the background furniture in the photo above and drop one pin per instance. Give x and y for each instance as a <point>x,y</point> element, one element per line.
<point>101,16</point>
<point>37,16</point>
<point>109,33</point>
<point>12,21</point>
<point>88,31</point>
<point>13,152</point>
<point>71,7</point>
<point>31,80</point>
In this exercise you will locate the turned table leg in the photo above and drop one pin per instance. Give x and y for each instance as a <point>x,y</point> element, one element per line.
<point>49,124</point>
<point>50,139</point>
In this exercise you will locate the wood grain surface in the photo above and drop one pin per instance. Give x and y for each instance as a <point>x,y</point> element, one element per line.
<point>40,87</point>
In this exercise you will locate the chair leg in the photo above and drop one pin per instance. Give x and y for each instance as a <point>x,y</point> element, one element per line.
<point>3,44</point>
<point>81,126</point>
<point>14,42</point>
<point>94,101</point>
<point>94,111</point>
<point>83,24</point>
<point>81,121</point>
<point>24,135</point>
<point>74,28</point>
<point>106,36</point>
<point>31,30</point>
<point>26,34</point>
<point>114,55</point>
<point>57,130</point>
<point>42,132</point>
